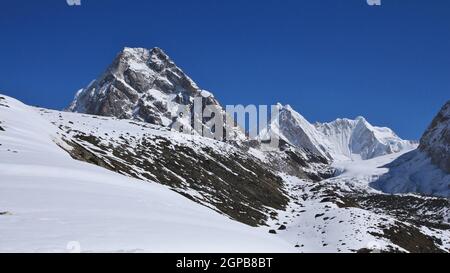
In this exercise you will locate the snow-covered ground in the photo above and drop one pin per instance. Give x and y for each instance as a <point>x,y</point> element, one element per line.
<point>414,172</point>
<point>359,174</point>
<point>318,226</point>
<point>52,203</point>
<point>314,223</point>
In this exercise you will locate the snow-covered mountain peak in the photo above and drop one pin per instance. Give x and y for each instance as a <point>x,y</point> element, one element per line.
<point>150,62</point>
<point>146,85</point>
<point>361,119</point>
<point>342,139</point>
<point>288,114</point>
<point>292,127</point>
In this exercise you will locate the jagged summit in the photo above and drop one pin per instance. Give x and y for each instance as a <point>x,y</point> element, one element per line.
<point>147,55</point>
<point>146,85</point>
<point>341,139</point>
<point>359,137</point>
<point>291,127</point>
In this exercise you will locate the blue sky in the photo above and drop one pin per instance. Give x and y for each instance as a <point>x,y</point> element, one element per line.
<point>327,58</point>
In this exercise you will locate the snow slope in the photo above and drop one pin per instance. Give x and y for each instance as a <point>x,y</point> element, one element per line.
<point>436,140</point>
<point>214,173</point>
<point>345,214</point>
<point>48,201</point>
<point>427,169</point>
<point>414,173</point>
<point>293,128</point>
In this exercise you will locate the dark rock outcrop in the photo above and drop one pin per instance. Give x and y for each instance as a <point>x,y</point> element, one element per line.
<point>436,140</point>
<point>146,85</point>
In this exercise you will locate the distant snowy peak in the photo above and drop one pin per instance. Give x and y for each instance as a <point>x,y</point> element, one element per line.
<point>292,127</point>
<point>341,139</point>
<point>146,85</point>
<point>436,140</point>
<point>358,137</point>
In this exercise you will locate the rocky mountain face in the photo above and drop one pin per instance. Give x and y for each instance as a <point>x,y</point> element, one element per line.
<point>427,169</point>
<point>146,85</point>
<point>239,181</point>
<point>341,139</point>
<point>436,140</point>
<point>294,129</point>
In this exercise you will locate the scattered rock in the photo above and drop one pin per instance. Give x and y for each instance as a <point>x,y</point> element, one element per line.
<point>409,238</point>
<point>272,231</point>
<point>364,251</point>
